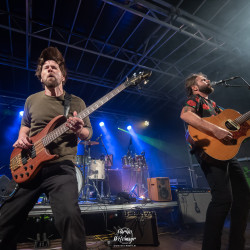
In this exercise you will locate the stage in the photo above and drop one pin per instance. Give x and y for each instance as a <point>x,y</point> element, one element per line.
<point>88,207</point>
<point>102,222</point>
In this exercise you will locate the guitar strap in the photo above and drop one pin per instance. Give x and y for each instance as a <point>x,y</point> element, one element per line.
<point>67,100</point>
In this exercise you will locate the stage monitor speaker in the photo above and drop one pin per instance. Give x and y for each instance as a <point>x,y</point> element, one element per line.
<point>144,227</point>
<point>193,205</point>
<point>4,180</point>
<point>159,189</point>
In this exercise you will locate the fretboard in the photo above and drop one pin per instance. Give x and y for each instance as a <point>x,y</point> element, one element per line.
<point>243,118</point>
<point>86,112</point>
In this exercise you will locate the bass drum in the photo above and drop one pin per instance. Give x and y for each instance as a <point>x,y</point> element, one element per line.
<point>79,179</point>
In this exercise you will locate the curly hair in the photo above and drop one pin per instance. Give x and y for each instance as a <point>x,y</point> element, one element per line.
<point>191,81</point>
<point>51,53</point>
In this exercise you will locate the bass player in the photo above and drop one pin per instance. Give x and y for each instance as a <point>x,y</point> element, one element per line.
<point>57,177</point>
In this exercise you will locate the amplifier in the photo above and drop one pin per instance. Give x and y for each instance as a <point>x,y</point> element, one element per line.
<point>143,225</point>
<point>193,205</point>
<point>178,182</point>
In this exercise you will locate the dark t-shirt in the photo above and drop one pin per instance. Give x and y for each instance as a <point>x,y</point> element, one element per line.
<point>40,109</point>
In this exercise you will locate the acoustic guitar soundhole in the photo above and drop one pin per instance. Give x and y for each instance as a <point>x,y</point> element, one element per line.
<point>231,125</point>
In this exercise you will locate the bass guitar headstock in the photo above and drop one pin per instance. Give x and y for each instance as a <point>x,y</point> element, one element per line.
<point>140,78</point>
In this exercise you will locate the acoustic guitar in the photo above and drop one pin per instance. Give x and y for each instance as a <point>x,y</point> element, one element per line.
<point>26,163</point>
<point>230,120</point>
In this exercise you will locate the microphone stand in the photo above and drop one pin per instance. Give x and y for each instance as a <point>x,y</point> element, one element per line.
<point>229,85</point>
<point>107,179</point>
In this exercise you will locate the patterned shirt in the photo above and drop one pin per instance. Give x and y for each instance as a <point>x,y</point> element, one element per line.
<point>203,107</point>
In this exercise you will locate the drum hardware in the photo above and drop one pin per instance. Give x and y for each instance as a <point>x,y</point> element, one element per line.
<point>109,161</point>
<point>138,161</point>
<point>132,191</point>
<point>137,169</point>
<point>89,143</point>
<point>85,161</point>
<point>127,161</point>
<point>139,189</point>
<point>95,171</point>
<point>82,160</point>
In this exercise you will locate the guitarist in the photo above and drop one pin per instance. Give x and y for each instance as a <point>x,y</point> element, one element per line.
<point>229,188</point>
<point>56,178</point>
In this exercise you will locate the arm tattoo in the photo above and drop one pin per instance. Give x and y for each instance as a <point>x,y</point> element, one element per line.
<point>185,109</point>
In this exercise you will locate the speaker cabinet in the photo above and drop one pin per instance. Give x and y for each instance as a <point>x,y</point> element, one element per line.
<point>159,189</point>
<point>143,226</point>
<point>114,180</point>
<point>193,205</point>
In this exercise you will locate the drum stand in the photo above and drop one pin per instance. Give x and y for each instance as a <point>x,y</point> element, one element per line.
<point>136,190</point>
<point>106,174</point>
<point>87,197</point>
<point>85,193</point>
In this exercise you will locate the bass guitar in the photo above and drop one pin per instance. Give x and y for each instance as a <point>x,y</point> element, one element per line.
<point>26,163</point>
<point>222,150</point>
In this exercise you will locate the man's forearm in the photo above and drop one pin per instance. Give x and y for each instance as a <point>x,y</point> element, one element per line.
<point>24,132</point>
<point>197,122</point>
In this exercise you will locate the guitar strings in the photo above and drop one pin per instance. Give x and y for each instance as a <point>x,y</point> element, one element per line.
<point>37,148</point>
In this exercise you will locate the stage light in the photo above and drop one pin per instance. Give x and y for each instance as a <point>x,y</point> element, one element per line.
<point>129,127</point>
<point>21,113</point>
<point>146,123</point>
<point>101,124</point>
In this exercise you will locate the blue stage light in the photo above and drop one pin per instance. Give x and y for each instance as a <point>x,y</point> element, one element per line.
<point>101,124</point>
<point>21,113</point>
<point>129,127</point>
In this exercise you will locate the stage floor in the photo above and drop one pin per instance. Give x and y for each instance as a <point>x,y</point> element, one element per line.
<point>184,238</point>
<point>94,207</point>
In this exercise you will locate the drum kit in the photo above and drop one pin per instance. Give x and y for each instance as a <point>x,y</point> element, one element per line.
<point>89,172</point>
<point>137,162</point>
<point>92,173</point>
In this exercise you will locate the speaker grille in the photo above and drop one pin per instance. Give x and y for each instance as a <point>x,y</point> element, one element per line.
<point>159,189</point>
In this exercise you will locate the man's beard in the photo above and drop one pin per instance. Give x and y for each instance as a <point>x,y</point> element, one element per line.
<point>49,83</point>
<point>206,89</point>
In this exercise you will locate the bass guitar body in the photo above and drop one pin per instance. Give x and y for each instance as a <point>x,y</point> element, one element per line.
<point>25,163</point>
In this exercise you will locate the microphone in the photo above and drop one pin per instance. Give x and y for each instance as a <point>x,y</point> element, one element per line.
<point>98,138</point>
<point>223,81</point>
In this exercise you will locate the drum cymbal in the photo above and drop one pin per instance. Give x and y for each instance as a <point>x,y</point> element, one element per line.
<point>89,143</point>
